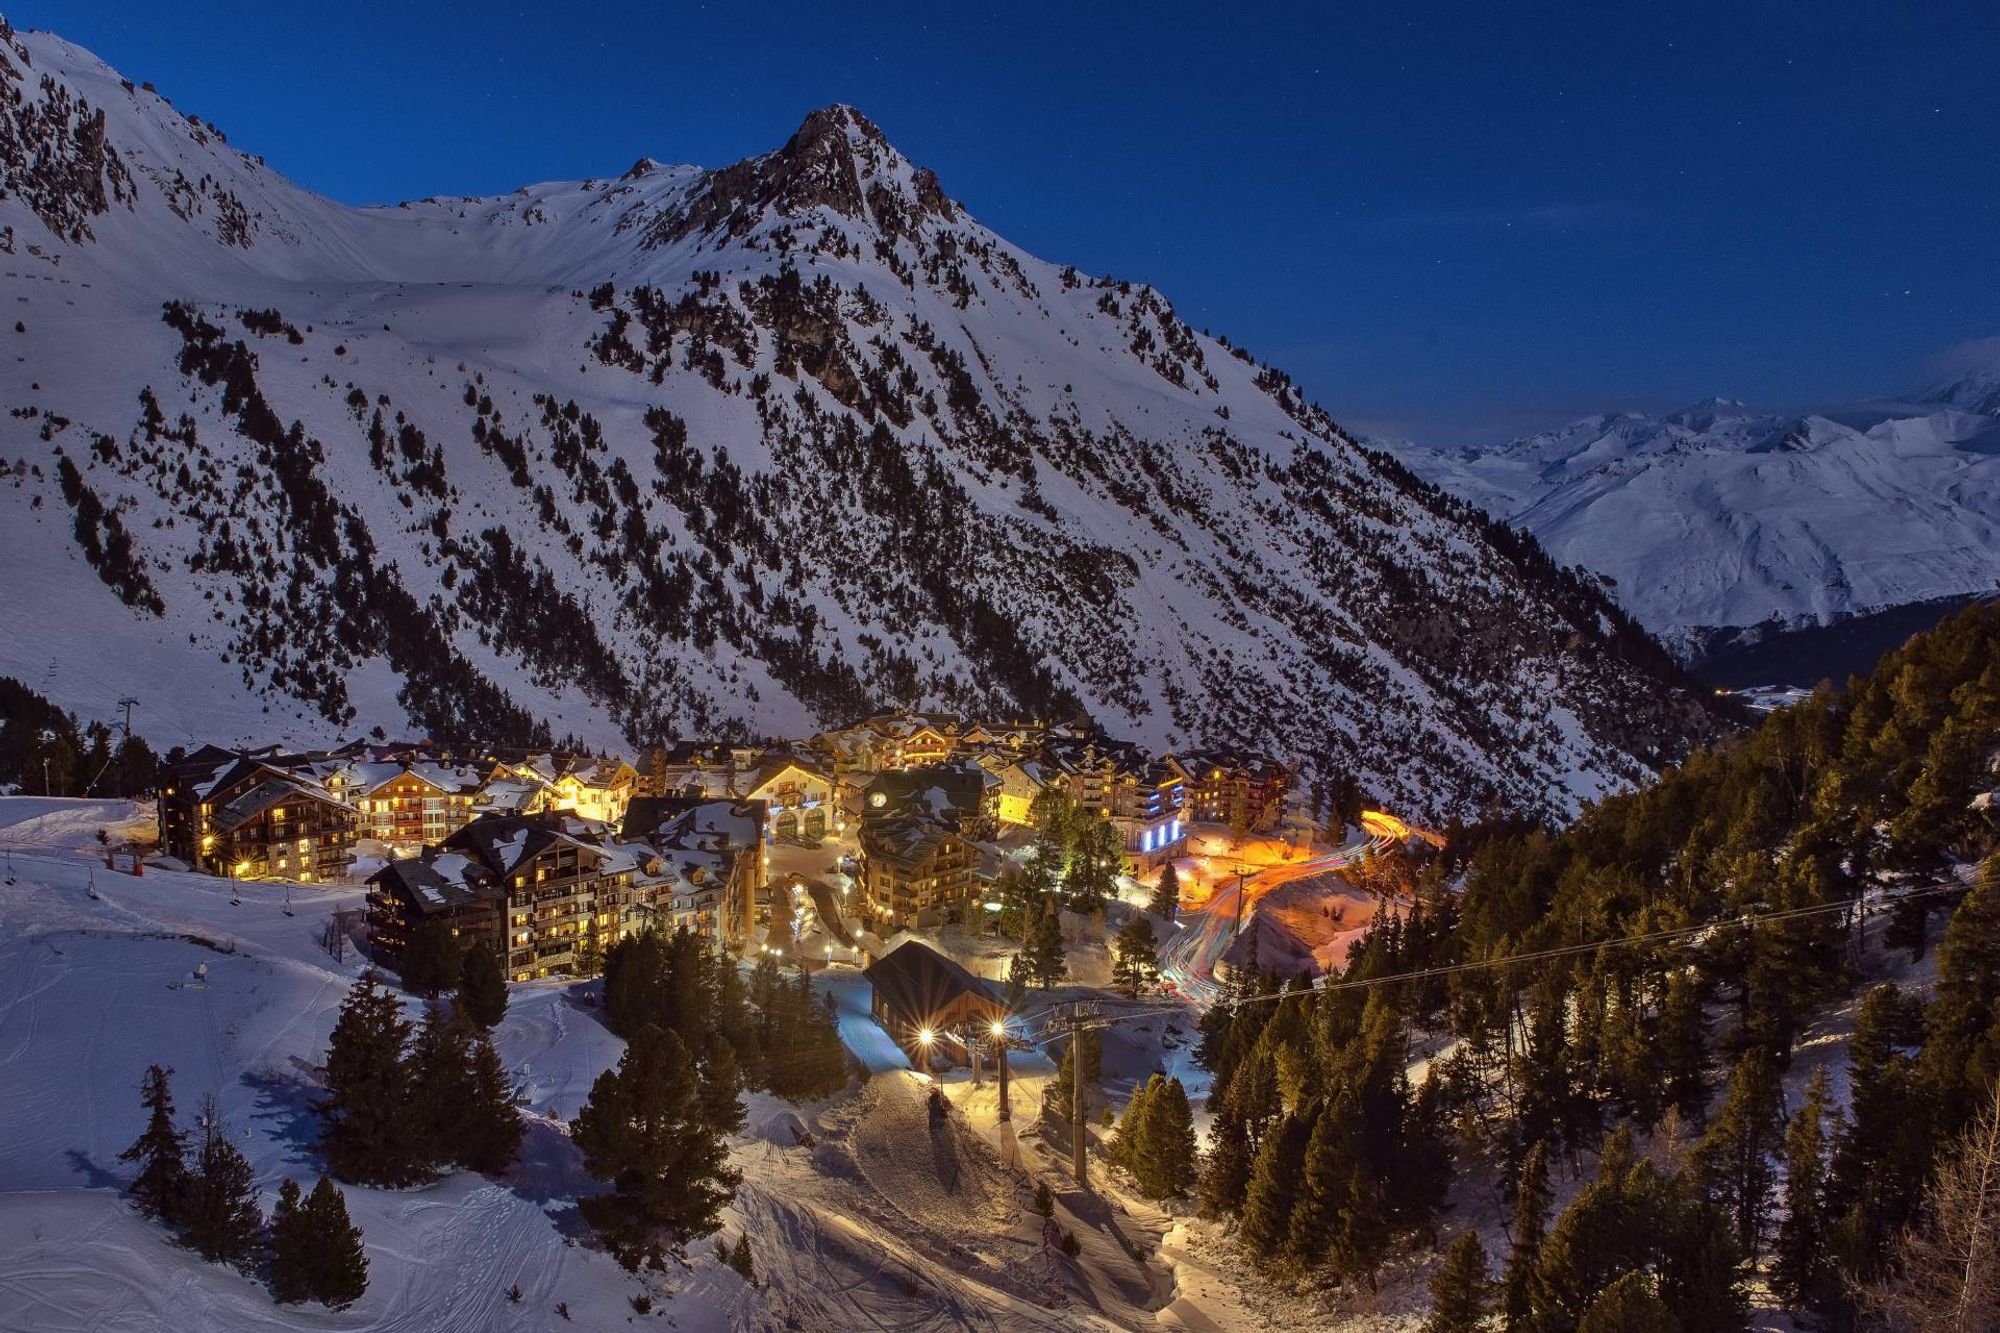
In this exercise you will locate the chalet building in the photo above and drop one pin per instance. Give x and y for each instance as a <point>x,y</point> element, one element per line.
<point>407,804</point>
<point>562,901</point>
<point>449,885</point>
<point>713,859</point>
<point>915,989</point>
<point>1237,788</point>
<point>705,768</point>
<point>800,797</point>
<point>256,815</point>
<point>595,788</point>
<point>916,871</point>
<point>1021,781</point>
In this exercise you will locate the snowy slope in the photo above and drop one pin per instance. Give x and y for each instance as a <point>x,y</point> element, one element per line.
<point>681,451</point>
<point>1719,517</point>
<point>852,1233</point>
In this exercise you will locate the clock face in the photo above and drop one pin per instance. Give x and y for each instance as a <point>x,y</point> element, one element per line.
<point>878,800</point>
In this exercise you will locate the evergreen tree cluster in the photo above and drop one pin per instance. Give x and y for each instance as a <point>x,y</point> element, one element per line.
<point>1155,1140</point>
<point>1646,1022</point>
<point>1321,1148</point>
<point>33,730</point>
<point>771,1035</point>
<point>403,1104</point>
<point>314,1250</point>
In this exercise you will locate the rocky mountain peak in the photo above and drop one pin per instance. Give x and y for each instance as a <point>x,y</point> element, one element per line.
<point>838,161</point>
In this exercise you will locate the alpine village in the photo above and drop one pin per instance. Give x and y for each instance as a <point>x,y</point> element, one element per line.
<point>726,749</point>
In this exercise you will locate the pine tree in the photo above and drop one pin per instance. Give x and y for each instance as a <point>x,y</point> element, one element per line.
<point>721,1087</point>
<point>1735,1158</point>
<point>161,1151</point>
<point>1046,961</point>
<point>1125,1145</point>
<point>1461,1291</point>
<point>1883,1152</point>
<point>338,1266</point>
<point>367,1131</point>
<point>1800,1272</point>
<point>1681,1045</point>
<point>641,1130</point>
<point>1167,1148</point>
<point>222,1217</point>
<point>482,987</point>
<point>1090,1044</point>
<point>1628,1305</point>
<point>439,1067</point>
<point>1699,1267</point>
<point>1167,894</point>
<point>1274,1189</point>
<point>291,1247</point>
<point>1326,1184</point>
<point>1225,1173</point>
<point>429,962</point>
<point>1532,1197</point>
<point>1137,954</point>
<point>1095,860</point>
<point>740,1260</point>
<point>1961,1057</point>
<point>490,1129</point>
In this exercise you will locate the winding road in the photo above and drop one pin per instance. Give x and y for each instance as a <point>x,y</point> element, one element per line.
<point>1187,964</point>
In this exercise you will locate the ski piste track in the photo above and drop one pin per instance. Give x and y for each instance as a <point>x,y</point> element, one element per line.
<point>1187,964</point>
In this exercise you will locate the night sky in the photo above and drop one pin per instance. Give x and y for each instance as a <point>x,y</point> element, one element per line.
<point>1451,223</point>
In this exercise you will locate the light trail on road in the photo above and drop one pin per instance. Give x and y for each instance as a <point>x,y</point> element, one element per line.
<point>1188,963</point>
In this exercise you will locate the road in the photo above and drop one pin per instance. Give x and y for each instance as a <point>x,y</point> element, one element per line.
<point>1187,964</point>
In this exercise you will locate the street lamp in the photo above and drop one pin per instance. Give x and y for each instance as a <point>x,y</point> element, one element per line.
<point>924,1039</point>
<point>1000,1055</point>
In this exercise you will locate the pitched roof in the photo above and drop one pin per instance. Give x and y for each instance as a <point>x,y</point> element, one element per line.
<point>437,879</point>
<point>917,981</point>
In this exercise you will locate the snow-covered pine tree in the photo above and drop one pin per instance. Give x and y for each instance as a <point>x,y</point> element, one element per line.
<point>490,1130</point>
<point>291,1246</point>
<point>222,1218</point>
<point>482,987</point>
<point>160,1188</point>
<point>1461,1292</point>
<point>1135,951</point>
<point>1166,900</point>
<point>337,1267</point>
<point>367,1134</point>
<point>641,1130</point>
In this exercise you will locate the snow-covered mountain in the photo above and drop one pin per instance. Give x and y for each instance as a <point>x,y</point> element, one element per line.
<point>1719,517</point>
<point>685,450</point>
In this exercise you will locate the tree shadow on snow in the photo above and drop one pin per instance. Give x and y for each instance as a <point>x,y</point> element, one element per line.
<point>549,1168</point>
<point>95,1176</point>
<point>284,1111</point>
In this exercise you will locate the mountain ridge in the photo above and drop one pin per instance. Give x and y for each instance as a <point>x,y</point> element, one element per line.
<point>750,449</point>
<point>1718,519</point>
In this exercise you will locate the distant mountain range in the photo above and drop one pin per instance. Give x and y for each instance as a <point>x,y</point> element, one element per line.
<point>1717,520</point>
<point>683,451</point>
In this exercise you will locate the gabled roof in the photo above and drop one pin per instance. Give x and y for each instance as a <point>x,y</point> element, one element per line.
<point>906,839</point>
<point>502,842</point>
<point>274,790</point>
<point>683,821</point>
<point>942,791</point>
<point>437,879</point>
<point>917,981</point>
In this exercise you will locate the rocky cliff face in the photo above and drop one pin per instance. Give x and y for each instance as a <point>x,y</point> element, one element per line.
<point>752,449</point>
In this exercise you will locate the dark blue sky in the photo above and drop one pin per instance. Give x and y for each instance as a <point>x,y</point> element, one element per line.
<point>1450,222</point>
